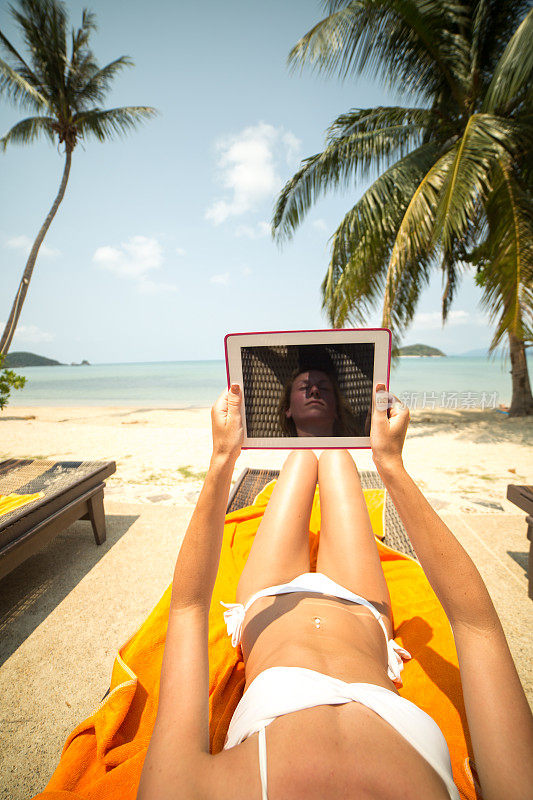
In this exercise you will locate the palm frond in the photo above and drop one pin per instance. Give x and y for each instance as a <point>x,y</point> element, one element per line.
<point>493,24</point>
<point>414,241</point>
<point>505,258</point>
<point>104,124</point>
<point>415,47</point>
<point>401,309</point>
<point>449,272</point>
<point>407,121</point>
<point>468,181</point>
<point>19,89</point>
<point>44,25</point>
<point>514,71</point>
<point>19,64</point>
<point>82,65</point>
<point>357,142</point>
<point>362,243</point>
<point>28,130</point>
<point>98,84</point>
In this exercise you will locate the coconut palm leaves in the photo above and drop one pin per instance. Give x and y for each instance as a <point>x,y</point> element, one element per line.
<point>61,82</point>
<point>455,187</point>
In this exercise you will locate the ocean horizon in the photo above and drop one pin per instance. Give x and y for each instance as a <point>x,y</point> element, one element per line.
<point>421,382</point>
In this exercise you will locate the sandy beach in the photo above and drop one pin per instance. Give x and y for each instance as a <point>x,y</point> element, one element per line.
<point>462,459</point>
<point>65,611</point>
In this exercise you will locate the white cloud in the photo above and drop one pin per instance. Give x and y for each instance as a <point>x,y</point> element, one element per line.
<point>222,278</point>
<point>30,334</point>
<point>246,271</point>
<point>248,168</point>
<point>24,244</point>
<point>258,231</point>
<point>180,251</point>
<point>134,260</point>
<point>319,224</point>
<point>431,320</point>
<point>292,144</point>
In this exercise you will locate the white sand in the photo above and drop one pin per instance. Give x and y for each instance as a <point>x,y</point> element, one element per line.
<point>462,460</point>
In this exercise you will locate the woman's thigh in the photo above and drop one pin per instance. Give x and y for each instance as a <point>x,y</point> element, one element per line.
<point>347,551</point>
<point>280,551</point>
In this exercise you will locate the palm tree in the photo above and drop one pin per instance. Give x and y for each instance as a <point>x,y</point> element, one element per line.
<point>64,91</point>
<point>455,173</point>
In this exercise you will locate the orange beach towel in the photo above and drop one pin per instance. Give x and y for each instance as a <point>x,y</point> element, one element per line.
<point>103,757</point>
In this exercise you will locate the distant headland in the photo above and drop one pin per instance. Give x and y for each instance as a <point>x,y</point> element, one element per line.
<point>419,350</point>
<point>18,360</point>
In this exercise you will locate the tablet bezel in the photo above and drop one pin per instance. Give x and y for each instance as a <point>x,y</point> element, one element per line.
<point>233,342</point>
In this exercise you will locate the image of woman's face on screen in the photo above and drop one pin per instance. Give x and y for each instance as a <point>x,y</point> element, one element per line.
<point>312,404</point>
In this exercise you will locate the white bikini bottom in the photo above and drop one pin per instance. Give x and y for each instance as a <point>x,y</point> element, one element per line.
<point>283,690</point>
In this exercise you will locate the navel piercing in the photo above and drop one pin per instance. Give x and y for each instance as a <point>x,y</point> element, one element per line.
<point>317,622</point>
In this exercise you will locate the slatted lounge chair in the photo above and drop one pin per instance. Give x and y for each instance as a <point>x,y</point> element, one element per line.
<point>522,496</point>
<point>71,490</point>
<point>251,481</point>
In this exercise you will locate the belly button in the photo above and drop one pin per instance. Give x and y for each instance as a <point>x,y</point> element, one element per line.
<point>316,620</point>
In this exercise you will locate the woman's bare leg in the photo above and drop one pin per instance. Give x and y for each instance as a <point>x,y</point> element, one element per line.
<point>280,551</point>
<point>347,552</point>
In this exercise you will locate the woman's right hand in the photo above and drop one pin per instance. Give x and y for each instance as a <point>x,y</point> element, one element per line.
<point>226,422</point>
<point>387,433</point>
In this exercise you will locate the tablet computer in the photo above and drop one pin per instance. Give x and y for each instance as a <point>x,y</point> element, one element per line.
<point>308,389</point>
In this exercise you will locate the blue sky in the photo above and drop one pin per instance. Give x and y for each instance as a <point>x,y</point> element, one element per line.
<point>162,243</point>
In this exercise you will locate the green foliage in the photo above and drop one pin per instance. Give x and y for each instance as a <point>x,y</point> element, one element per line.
<point>8,380</point>
<point>187,472</point>
<point>60,80</point>
<point>455,185</point>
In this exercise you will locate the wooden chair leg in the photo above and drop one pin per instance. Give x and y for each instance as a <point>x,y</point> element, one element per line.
<point>97,516</point>
<point>529,521</point>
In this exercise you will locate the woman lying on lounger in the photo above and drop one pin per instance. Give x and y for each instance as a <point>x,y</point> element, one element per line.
<point>320,662</point>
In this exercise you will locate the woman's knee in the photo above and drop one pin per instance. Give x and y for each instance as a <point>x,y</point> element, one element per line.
<point>334,459</point>
<point>304,461</point>
<point>305,457</point>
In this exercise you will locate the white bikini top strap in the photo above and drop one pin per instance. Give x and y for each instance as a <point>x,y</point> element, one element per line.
<point>263,763</point>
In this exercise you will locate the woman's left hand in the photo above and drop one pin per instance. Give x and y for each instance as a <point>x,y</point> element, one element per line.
<point>226,421</point>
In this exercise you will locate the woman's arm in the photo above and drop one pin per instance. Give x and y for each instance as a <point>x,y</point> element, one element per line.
<point>499,718</point>
<point>179,747</point>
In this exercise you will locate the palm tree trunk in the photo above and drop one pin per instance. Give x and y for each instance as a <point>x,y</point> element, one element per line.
<point>522,400</point>
<point>12,322</point>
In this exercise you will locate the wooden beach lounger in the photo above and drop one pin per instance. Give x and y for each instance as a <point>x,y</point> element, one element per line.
<point>522,496</point>
<point>67,491</point>
<point>251,481</point>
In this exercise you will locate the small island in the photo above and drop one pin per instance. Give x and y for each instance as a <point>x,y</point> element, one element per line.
<point>21,360</point>
<point>419,350</point>
<point>15,360</point>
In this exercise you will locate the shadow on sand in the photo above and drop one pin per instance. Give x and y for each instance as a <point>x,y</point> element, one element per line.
<point>479,427</point>
<point>35,588</point>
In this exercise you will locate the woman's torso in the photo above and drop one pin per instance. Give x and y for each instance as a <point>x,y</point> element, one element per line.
<point>326,751</point>
<point>329,635</point>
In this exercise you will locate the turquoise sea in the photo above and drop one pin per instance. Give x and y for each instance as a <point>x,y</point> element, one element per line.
<point>453,381</point>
